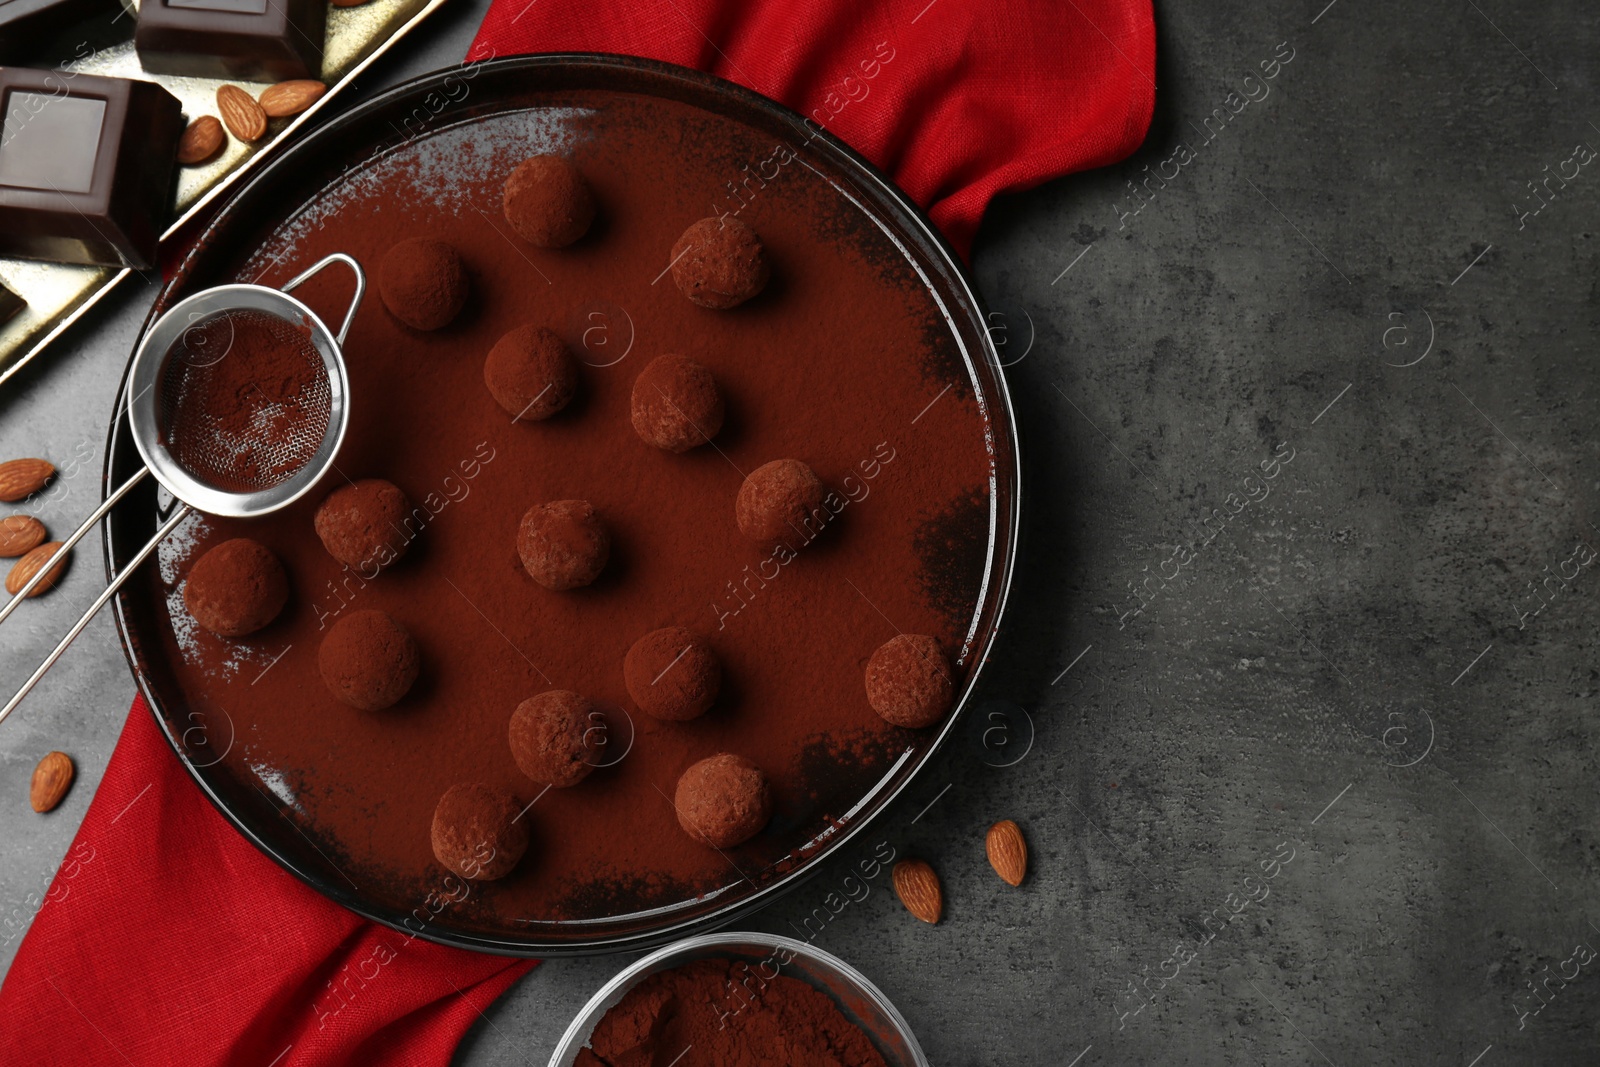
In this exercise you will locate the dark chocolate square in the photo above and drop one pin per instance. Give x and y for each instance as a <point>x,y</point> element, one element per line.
<point>10,304</point>
<point>86,167</point>
<point>252,40</point>
<point>32,30</point>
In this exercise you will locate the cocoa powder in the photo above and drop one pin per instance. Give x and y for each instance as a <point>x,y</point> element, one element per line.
<point>843,361</point>
<point>245,400</point>
<point>722,1013</point>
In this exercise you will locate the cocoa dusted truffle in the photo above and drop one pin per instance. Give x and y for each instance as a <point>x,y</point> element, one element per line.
<point>477,832</point>
<point>549,737</point>
<point>672,674</point>
<point>547,202</point>
<point>563,544</point>
<point>423,283</point>
<point>676,405</point>
<point>368,660</point>
<point>719,263</point>
<point>909,681</point>
<point>236,588</point>
<point>724,800</point>
<point>362,524</point>
<point>780,503</point>
<point>531,373</point>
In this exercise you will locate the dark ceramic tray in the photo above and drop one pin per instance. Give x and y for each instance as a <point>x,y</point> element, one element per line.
<point>299,175</point>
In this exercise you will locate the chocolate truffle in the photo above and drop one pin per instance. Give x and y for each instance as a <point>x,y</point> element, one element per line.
<point>531,373</point>
<point>672,674</point>
<point>719,263</point>
<point>362,524</point>
<point>236,588</point>
<point>563,544</point>
<point>423,283</point>
<point>724,800</point>
<point>781,503</point>
<point>676,405</point>
<point>549,737</point>
<point>548,203</point>
<point>477,832</point>
<point>368,660</point>
<point>909,682</point>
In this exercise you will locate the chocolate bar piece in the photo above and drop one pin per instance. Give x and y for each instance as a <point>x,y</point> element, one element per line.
<point>86,167</point>
<point>253,40</point>
<point>10,304</point>
<point>28,28</point>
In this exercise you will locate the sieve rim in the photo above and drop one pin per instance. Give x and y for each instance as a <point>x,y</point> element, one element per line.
<point>149,363</point>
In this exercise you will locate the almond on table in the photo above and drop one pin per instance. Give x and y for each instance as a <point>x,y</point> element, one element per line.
<point>291,97</point>
<point>917,886</point>
<point>19,535</point>
<point>25,568</point>
<point>201,141</point>
<point>21,478</point>
<point>51,780</point>
<point>1008,851</point>
<point>241,114</point>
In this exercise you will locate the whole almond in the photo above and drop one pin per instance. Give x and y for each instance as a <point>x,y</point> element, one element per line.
<point>241,114</point>
<point>51,780</point>
<point>19,535</point>
<point>28,565</point>
<point>23,477</point>
<point>917,886</point>
<point>290,98</point>
<point>201,140</point>
<point>1008,852</point>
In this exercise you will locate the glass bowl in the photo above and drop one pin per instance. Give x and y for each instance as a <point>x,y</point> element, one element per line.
<point>861,1002</point>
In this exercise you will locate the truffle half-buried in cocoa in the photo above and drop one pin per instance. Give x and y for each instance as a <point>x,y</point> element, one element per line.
<point>724,800</point>
<point>368,660</point>
<point>563,544</point>
<point>236,588</point>
<point>531,373</point>
<point>549,737</point>
<point>719,263</point>
<point>672,674</point>
<point>676,405</point>
<point>781,503</point>
<point>909,681</point>
<point>477,832</point>
<point>547,202</point>
<point>362,524</point>
<point>423,283</point>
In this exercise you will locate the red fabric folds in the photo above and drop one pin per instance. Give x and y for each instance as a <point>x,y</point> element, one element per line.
<point>166,937</point>
<point>956,100</point>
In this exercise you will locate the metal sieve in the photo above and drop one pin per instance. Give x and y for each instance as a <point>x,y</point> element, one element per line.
<point>223,431</point>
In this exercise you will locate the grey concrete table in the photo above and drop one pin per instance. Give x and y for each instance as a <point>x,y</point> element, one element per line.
<point>1305,622</point>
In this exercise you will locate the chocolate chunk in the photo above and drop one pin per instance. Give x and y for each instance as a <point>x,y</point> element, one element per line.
<point>10,304</point>
<point>85,167</point>
<point>254,40</point>
<point>28,28</point>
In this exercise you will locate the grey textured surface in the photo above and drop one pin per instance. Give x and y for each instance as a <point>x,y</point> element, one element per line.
<point>1350,669</point>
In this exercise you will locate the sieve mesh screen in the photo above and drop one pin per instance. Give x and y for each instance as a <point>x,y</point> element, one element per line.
<point>243,400</point>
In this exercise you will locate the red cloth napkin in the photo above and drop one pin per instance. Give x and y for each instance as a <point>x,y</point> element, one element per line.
<point>956,100</point>
<point>165,936</point>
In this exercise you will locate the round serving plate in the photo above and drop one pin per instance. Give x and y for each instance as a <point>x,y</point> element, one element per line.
<point>438,106</point>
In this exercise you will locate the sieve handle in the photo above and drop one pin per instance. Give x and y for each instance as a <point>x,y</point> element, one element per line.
<point>66,546</point>
<point>99,602</point>
<point>321,264</point>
